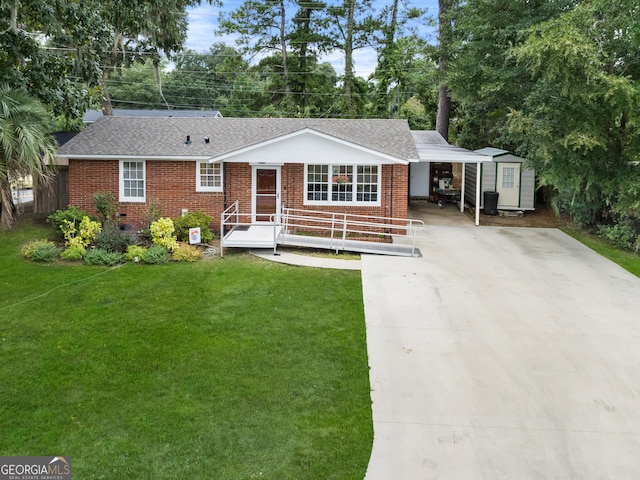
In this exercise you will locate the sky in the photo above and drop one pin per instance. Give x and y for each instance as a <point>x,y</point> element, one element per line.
<point>203,21</point>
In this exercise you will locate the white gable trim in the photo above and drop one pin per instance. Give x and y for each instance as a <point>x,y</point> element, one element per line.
<point>382,157</point>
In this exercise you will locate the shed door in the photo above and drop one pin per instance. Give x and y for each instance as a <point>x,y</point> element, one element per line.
<point>266,193</point>
<point>508,185</point>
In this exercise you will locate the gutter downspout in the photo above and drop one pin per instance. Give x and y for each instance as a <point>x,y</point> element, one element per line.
<point>391,204</point>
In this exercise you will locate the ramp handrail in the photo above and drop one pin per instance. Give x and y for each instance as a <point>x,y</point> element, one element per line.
<point>337,226</point>
<point>340,225</point>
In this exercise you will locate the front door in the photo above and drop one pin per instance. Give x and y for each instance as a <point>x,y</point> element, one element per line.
<point>266,193</point>
<point>508,185</point>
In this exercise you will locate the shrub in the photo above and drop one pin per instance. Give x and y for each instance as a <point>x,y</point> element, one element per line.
<point>97,256</point>
<point>41,251</point>
<point>134,251</point>
<point>107,207</point>
<point>114,240</point>
<point>153,213</point>
<point>191,220</point>
<point>162,233</point>
<point>72,214</point>
<point>81,236</point>
<point>622,235</point>
<point>73,253</point>
<point>186,253</point>
<point>157,255</point>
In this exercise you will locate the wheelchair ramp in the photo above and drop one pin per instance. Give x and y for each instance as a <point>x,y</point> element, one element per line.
<point>322,230</point>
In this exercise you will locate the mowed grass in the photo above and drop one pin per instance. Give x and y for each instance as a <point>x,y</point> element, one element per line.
<point>627,260</point>
<point>234,368</point>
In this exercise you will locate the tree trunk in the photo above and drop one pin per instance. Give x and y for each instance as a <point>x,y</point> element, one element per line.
<point>285,67</point>
<point>7,208</point>
<point>105,102</point>
<point>348,58</point>
<point>444,111</point>
<point>13,23</point>
<point>384,82</point>
<point>444,39</point>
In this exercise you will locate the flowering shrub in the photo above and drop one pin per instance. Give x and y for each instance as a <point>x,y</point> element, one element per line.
<point>162,233</point>
<point>83,235</point>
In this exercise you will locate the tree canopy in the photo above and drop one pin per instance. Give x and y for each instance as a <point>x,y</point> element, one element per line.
<point>553,80</point>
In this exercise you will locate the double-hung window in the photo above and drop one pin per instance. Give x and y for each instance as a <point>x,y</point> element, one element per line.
<point>132,181</point>
<point>208,177</point>
<point>342,184</point>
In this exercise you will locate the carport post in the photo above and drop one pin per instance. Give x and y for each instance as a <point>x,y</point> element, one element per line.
<point>478,188</point>
<point>462,188</point>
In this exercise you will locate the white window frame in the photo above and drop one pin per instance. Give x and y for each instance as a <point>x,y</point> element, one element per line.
<point>123,197</point>
<point>354,188</point>
<point>204,188</point>
<point>508,177</point>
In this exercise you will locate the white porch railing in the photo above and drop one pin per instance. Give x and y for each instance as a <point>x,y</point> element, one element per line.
<point>322,229</point>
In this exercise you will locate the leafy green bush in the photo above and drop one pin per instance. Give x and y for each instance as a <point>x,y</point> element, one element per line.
<point>157,255</point>
<point>134,251</point>
<point>41,251</point>
<point>162,233</point>
<point>192,220</point>
<point>97,256</point>
<point>71,214</point>
<point>114,240</point>
<point>622,235</point>
<point>107,207</point>
<point>184,252</point>
<point>73,253</point>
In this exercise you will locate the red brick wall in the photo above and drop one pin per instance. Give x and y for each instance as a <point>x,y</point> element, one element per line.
<point>171,184</point>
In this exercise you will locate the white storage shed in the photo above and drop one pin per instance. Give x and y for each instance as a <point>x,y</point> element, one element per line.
<point>504,174</point>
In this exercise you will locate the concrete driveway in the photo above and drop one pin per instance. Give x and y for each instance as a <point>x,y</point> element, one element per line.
<point>504,353</point>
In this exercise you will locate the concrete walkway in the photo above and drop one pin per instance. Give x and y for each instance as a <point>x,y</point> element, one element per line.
<point>503,353</point>
<point>307,260</point>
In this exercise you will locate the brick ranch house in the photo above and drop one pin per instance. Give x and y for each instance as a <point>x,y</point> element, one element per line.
<point>336,165</point>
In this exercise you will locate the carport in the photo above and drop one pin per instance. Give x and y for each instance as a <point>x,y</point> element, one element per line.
<point>433,148</point>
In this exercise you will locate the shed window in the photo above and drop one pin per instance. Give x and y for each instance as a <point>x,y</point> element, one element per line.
<point>342,184</point>
<point>132,181</point>
<point>508,177</point>
<point>208,177</point>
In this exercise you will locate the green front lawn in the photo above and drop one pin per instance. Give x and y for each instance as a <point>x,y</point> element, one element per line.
<point>224,369</point>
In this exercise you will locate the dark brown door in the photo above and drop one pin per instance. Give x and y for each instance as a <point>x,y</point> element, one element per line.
<point>267,193</point>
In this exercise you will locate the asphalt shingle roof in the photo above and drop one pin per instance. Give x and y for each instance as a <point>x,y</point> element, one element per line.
<point>93,115</point>
<point>165,137</point>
